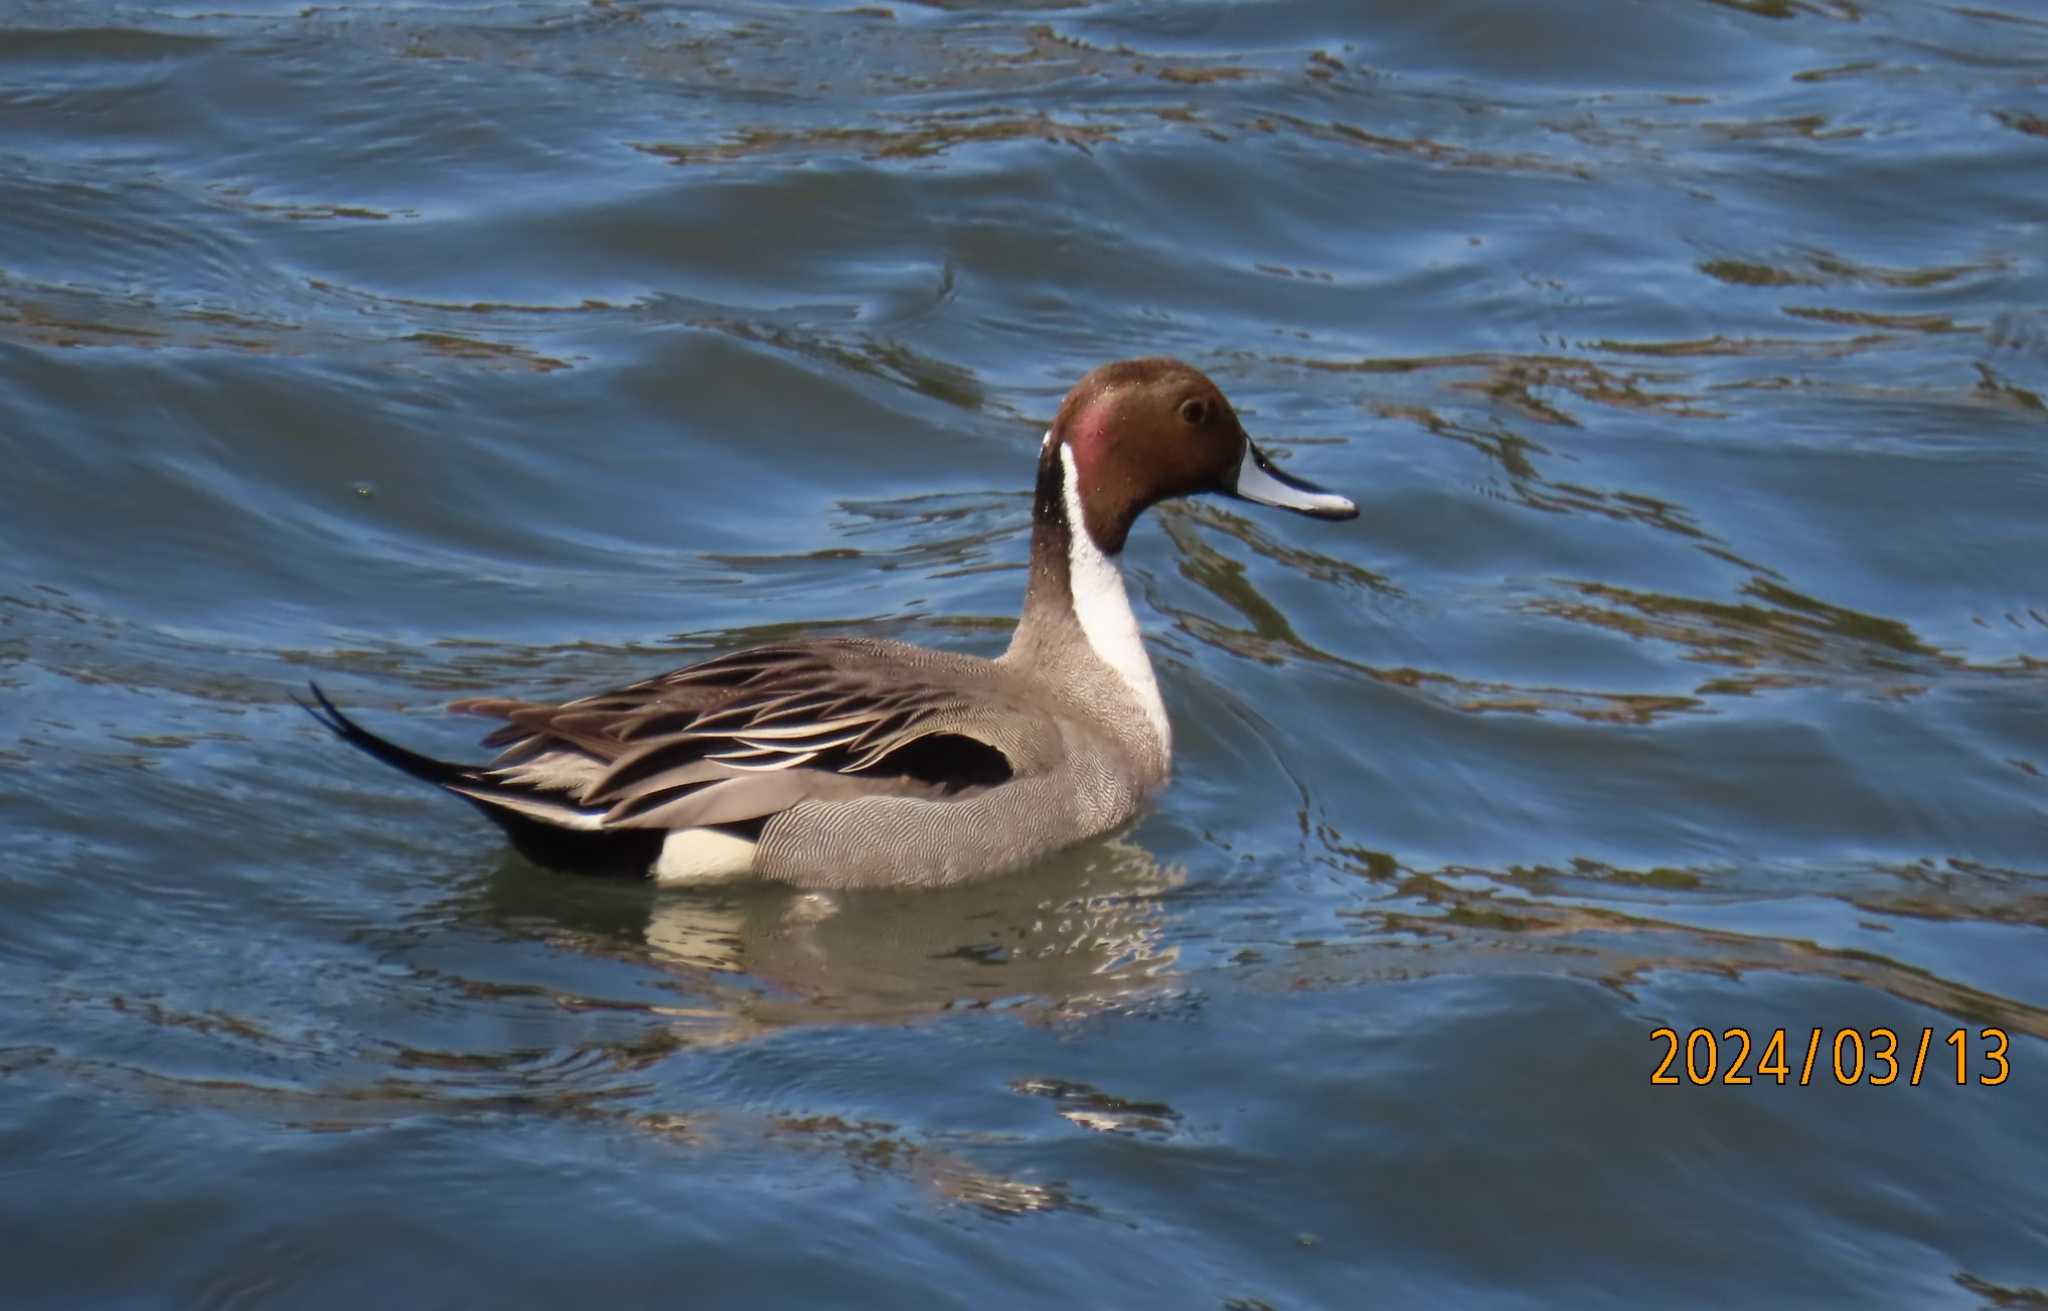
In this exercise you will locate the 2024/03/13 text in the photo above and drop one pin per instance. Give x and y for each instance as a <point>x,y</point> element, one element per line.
<point>1878,1057</point>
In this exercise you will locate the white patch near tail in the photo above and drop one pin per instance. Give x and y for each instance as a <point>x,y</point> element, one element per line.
<point>703,855</point>
<point>1104,609</point>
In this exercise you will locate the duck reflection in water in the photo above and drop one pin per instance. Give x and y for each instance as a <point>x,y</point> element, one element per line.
<point>1076,935</point>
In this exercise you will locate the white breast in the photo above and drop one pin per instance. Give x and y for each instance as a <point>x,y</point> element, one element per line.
<point>1104,610</point>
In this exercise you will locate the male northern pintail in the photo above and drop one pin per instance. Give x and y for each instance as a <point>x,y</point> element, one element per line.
<point>853,762</point>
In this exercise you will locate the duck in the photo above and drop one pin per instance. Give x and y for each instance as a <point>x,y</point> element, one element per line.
<point>855,762</point>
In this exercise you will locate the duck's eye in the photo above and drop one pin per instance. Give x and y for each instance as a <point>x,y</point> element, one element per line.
<point>1194,411</point>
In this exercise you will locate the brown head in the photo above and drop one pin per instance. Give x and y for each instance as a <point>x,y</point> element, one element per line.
<point>1141,431</point>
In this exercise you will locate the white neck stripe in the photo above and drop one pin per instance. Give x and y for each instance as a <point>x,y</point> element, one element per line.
<point>1104,609</point>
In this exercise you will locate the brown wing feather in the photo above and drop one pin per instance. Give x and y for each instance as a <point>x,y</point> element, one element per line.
<point>749,734</point>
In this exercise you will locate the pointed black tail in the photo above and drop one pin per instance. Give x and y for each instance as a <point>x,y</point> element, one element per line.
<point>329,716</point>
<point>626,852</point>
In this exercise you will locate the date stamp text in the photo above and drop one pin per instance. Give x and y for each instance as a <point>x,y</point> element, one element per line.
<point>1878,1057</point>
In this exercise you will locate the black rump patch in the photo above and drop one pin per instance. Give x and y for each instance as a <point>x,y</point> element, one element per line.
<point>615,853</point>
